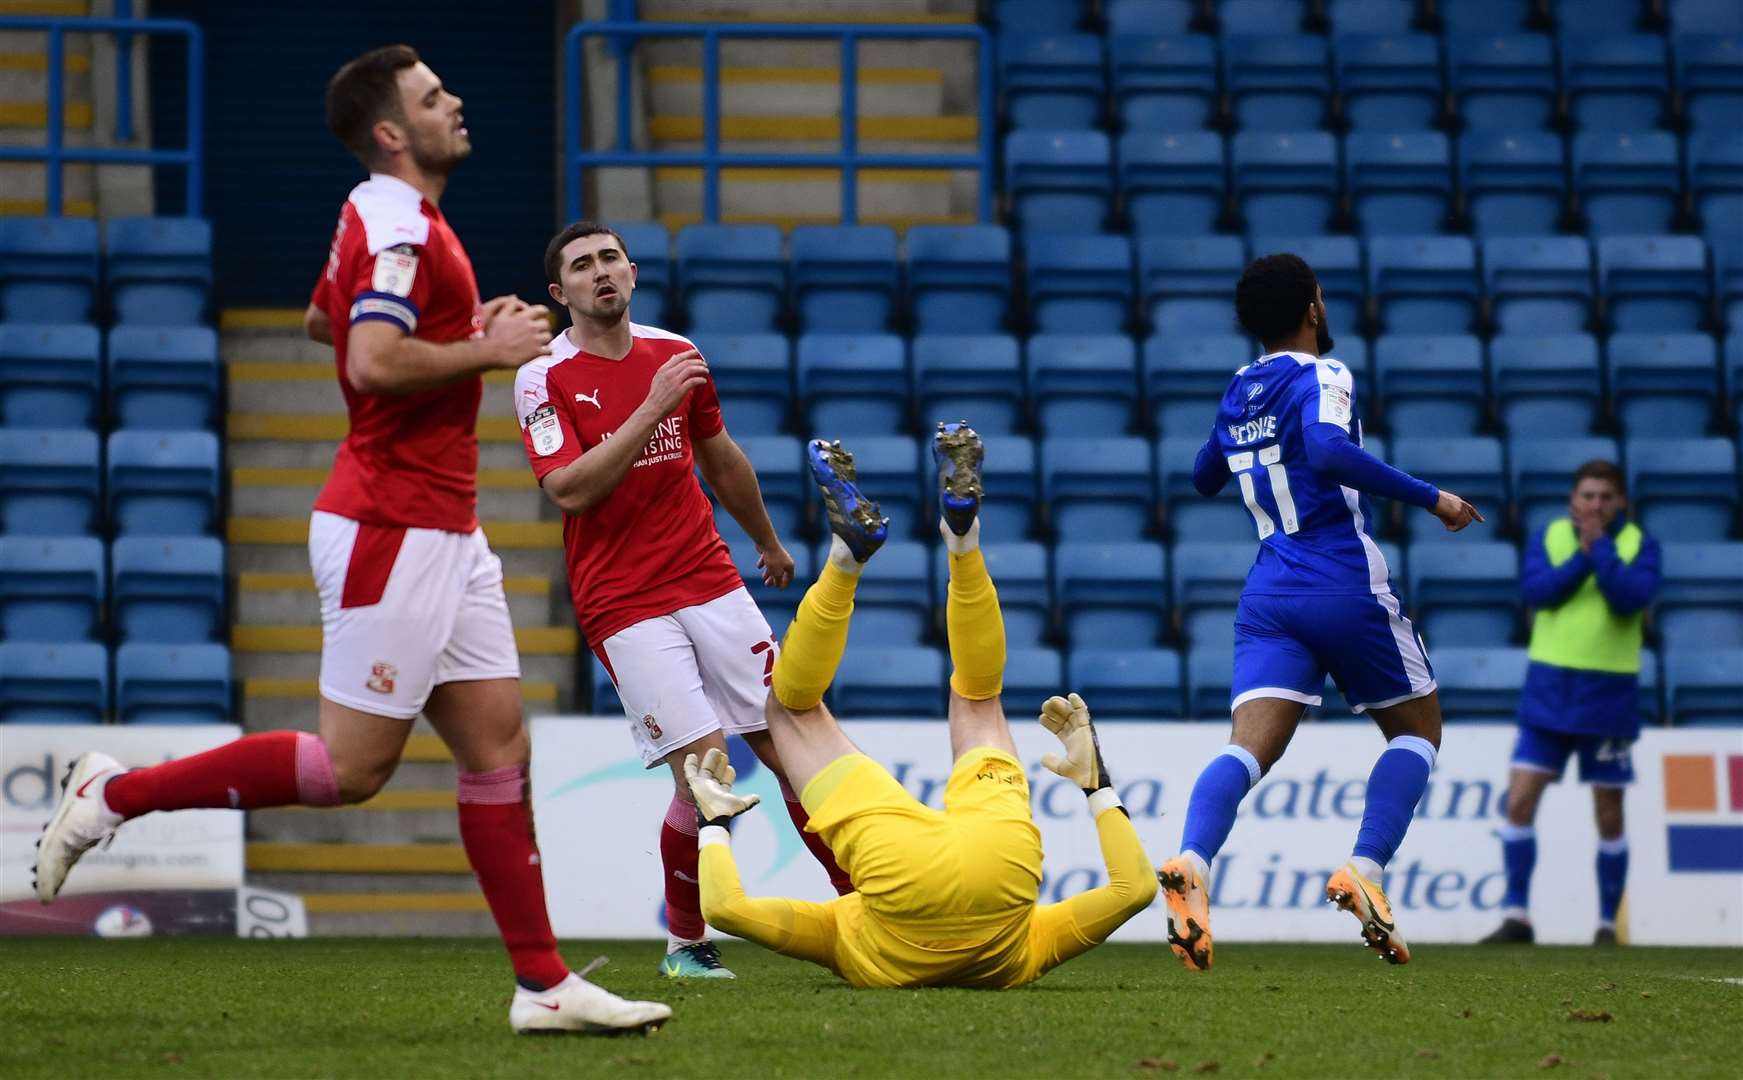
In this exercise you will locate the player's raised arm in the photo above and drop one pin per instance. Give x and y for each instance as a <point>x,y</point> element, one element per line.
<point>385,359</point>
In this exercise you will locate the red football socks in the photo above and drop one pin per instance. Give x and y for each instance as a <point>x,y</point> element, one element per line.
<point>819,850</point>
<point>272,768</point>
<point>496,827</point>
<point>679,858</point>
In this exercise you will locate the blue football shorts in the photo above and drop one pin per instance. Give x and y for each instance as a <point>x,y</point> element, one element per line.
<point>1604,761</point>
<point>1287,643</point>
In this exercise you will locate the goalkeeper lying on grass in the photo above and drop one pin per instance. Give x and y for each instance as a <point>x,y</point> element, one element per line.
<point>944,898</point>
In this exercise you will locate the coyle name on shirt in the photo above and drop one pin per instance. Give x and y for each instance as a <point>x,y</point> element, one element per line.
<point>1253,430</point>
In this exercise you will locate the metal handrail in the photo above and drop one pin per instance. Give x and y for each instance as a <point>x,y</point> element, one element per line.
<point>621,35</point>
<point>56,154</point>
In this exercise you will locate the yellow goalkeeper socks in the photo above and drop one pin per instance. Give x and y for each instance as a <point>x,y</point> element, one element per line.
<point>975,624</point>
<point>817,637</point>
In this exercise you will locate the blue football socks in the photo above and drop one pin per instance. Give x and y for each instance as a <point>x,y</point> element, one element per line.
<point>1394,788</point>
<point>1519,858</point>
<point>1612,875</point>
<point>1210,813</point>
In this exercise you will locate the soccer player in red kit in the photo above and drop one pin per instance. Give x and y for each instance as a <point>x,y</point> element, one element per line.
<point>413,614</point>
<point>614,420</point>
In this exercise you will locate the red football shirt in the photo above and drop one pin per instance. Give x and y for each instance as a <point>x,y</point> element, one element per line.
<point>410,459</point>
<point>650,547</point>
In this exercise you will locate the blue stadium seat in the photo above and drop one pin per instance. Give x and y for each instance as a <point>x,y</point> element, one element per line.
<point>1614,82</point>
<point>973,377</point>
<point>1080,284</point>
<point>162,483</point>
<point>1037,16</point>
<point>1337,263</point>
<point>753,376</point>
<point>890,682</point>
<point>172,684</point>
<point>1032,675</point>
<point>780,466</point>
<point>1504,82</point>
<point>48,269</point>
<point>1663,384</point>
<point>731,277</point>
<point>1629,183</point>
<point>58,683</point>
<point>1208,579</point>
<point>1734,375</point>
<point>1515,183</point>
<point>844,277</point>
<point>1173,184</point>
<point>1705,17</point>
<point>51,587</point>
<point>890,469</point>
<point>1709,76</point>
<point>1650,701</point>
<point>854,384</point>
<point>1083,383</point>
<point>1539,284</point>
<point>1465,593</point>
<point>1700,602</point>
<point>1431,382</point>
<point>777,605</point>
<point>1371,16</point>
<point>1259,16</point>
<point>1399,184</point>
<point>1129,683</point>
<point>1209,671</point>
<point>650,248</point>
<point>1704,686</point>
<point>1683,488</point>
<point>1715,176</point>
<point>1285,182</point>
<point>1728,283</point>
<point>1059,181</point>
<point>1111,595</point>
<point>959,278</point>
<point>1009,510</point>
<point>163,377</point>
<point>1098,487</point>
<point>1479,684</point>
<point>1483,16</point>
<point>49,375</point>
<point>168,590</point>
<point>1277,81</point>
<point>1424,284</point>
<point>1389,82</point>
<point>893,605</point>
<point>1540,470</point>
<point>1128,17</point>
<point>1051,82</point>
<point>49,480</point>
<point>1653,283</point>
<point>1185,378</point>
<point>1469,465</point>
<point>1596,16</point>
<point>1190,516</point>
<point>1164,83</point>
<point>158,270</point>
<point>1548,385</point>
<point>1019,569</point>
<point>1186,285</point>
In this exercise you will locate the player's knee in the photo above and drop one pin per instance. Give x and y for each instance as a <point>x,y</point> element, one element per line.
<point>360,780</point>
<point>1143,894</point>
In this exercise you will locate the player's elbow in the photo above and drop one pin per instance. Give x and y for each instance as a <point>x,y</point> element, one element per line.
<point>316,325</point>
<point>364,372</point>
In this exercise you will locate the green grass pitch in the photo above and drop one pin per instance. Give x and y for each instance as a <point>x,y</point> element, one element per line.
<point>439,1008</point>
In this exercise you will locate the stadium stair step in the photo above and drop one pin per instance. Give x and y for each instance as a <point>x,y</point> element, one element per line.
<point>312,387</point>
<point>289,598</point>
<point>541,535</point>
<point>24,112</point>
<point>267,491</point>
<point>272,704</point>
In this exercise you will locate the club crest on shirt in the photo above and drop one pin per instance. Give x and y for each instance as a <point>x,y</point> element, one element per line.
<point>652,725</point>
<point>381,677</point>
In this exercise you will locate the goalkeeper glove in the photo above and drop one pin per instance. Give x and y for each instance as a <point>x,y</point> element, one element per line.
<point>1082,764</point>
<point>711,786</point>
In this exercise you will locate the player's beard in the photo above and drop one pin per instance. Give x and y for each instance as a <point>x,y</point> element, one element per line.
<point>440,156</point>
<point>606,311</point>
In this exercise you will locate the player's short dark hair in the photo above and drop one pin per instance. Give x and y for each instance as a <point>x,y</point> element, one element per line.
<point>1272,296</point>
<point>363,93</point>
<point>1607,471</point>
<point>573,231</point>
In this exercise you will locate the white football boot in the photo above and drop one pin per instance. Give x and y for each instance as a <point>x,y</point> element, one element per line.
<point>577,1005</point>
<point>81,821</point>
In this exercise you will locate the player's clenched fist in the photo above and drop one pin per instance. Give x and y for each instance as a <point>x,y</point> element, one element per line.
<point>1454,512</point>
<point>675,379</point>
<point>1068,718</point>
<point>516,335</point>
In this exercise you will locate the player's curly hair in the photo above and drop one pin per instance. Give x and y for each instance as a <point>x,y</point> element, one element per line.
<point>1273,295</point>
<point>573,231</point>
<point>364,92</point>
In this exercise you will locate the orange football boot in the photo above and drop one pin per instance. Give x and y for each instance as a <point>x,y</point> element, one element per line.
<point>1188,912</point>
<point>1364,899</point>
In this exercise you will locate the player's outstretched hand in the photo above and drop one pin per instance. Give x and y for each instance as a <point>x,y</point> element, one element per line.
<point>711,785</point>
<point>516,335</point>
<point>1454,512</point>
<point>674,379</point>
<point>1068,718</point>
<point>776,565</point>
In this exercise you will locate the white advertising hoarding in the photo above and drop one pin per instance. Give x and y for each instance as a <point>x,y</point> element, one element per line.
<point>599,814</point>
<point>193,849</point>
